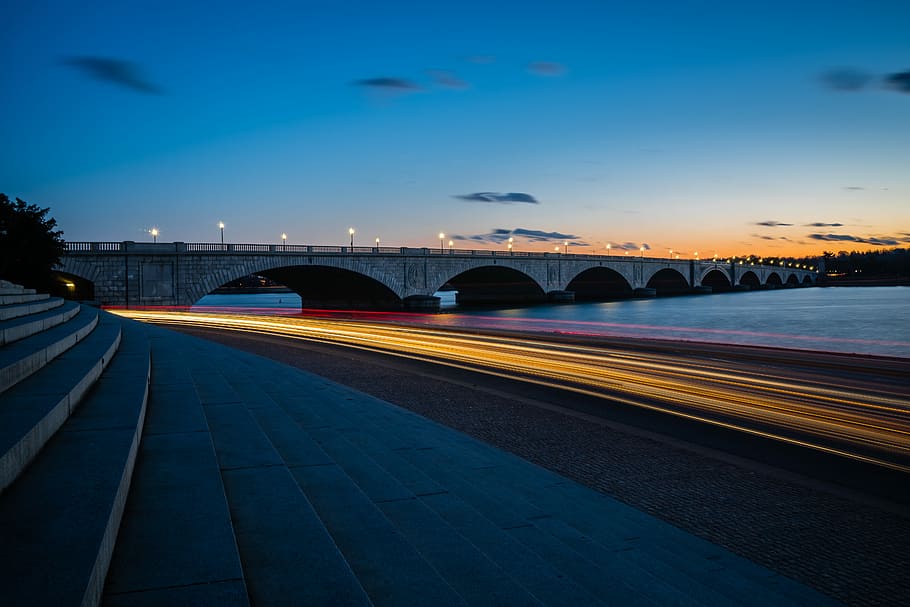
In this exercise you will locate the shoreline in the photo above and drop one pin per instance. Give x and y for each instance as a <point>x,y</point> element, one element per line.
<point>849,545</point>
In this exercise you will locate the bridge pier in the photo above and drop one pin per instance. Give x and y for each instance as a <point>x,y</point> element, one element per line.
<point>645,292</point>
<point>561,296</point>
<point>421,303</point>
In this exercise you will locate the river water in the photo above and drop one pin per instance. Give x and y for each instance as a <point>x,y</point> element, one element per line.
<point>866,320</point>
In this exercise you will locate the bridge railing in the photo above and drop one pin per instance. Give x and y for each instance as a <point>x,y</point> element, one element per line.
<point>228,248</point>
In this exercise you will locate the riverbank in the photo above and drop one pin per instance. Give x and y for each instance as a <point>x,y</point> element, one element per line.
<point>843,543</point>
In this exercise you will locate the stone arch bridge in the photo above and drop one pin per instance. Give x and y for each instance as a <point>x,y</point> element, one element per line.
<point>136,274</point>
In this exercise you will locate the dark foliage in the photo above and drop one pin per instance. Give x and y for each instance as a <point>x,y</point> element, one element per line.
<point>29,245</point>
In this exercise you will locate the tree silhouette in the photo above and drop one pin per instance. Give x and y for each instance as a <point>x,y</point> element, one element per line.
<point>29,245</point>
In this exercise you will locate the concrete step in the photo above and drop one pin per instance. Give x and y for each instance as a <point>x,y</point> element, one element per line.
<point>11,311</point>
<point>176,543</point>
<point>59,521</point>
<point>26,326</point>
<point>22,297</point>
<point>33,409</point>
<point>22,358</point>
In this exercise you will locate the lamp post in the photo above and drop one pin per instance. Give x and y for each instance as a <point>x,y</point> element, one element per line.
<point>377,242</point>
<point>608,249</point>
<point>221,227</point>
<point>511,240</point>
<point>284,240</point>
<point>442,245</point>
<point>154,233</point>
<point>566,245</point>
<point>451,244</point>
<point>510,248</point>
<point>351,232</point>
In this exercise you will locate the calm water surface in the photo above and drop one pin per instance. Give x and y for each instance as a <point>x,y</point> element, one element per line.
<point>867,320</point>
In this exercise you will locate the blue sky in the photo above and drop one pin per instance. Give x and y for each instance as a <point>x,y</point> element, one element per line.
<point>684,125</point>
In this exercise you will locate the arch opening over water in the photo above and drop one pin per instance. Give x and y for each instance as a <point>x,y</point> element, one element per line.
<point>326,287</point>
<point>750,279</point>
<point>599,284</point>
<point>495,285</point>
<point>717,280</point>
<point>793,280</point>
<point>774,280</point>
<point>668,282</point>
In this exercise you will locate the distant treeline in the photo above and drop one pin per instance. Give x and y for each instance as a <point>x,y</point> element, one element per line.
<point>866,267</point>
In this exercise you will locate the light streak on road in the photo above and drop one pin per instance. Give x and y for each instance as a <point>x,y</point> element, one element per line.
<point>862,422</point>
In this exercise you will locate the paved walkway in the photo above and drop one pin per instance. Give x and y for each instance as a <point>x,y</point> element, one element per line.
<point>257,483</point>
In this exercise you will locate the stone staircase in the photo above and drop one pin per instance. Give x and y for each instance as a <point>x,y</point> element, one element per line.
<point>258,484</point>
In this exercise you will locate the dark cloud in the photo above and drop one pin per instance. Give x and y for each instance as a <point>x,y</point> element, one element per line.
<point>899,81</point>
<point>387,83</point>
<point>854,188</point>
<point>630,246</point>
<point>501,235</point>
<point>773,224</point>
<point>498,198</point>
<point>846,79</point>
<point>115,71</point>
<point>546,68</point>
<point>883,241</point>
<point>447,79</point>
<point>820,224</point>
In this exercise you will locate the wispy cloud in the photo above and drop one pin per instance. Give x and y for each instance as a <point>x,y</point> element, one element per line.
<point>770,223</point>
<point>854,188</point>
<point>630,246</point>
<point>821,224</point>
<point>115,71</point>
<point>501,235</point>
<point>846,79</point>
<point>546,68</point>
<point>447,79</point>
<point>388,83</point>
<point>899,81</point>
<point>883,241</point>
<point>498,198</point>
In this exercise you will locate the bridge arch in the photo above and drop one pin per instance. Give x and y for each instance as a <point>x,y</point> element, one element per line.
<point>750,279</point>
<point>319,286</point>
<point>793,280</point>
<point>807,279</point>
<point>773,279</point>
<point>717,279</point>
<point>668,281</point>
<point>598,283</point>
<point>494,284</point>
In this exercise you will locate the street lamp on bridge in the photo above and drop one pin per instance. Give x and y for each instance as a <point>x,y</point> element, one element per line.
<point>284,239</point>
<point>451,244</point>
<point>351,232</point>
<point>154,233</point>
<point>221,227</point>
<point>566,245</point>
<point>442,244</point>
<point>608,248</point>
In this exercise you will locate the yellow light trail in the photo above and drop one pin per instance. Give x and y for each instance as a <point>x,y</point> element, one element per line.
<point>836,417</point>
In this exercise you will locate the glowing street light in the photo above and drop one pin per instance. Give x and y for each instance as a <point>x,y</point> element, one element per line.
<point>642,250</point>
<point>284,239</point>
<point>154,233</point>
<point>442,242</point>
<point>451,244</point>
<point>377,242</point>
<point>351,232</point>
<point>510,248</point>
<point>556,248</point>
<point>566,244</point>
<point>696,255</point>
<point>608,248</point>
<point>221,227</point>
<point>511,240</point>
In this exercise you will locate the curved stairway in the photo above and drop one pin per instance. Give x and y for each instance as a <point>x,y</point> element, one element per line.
<point>259,484</point>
